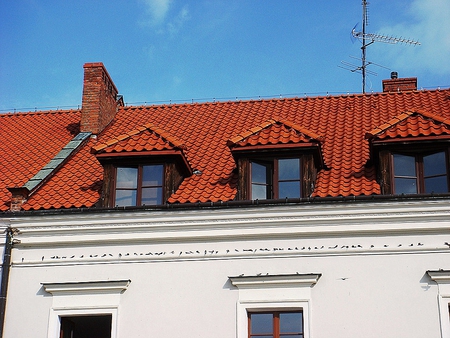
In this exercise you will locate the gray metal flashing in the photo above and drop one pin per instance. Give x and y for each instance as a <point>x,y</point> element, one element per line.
<point>56,161</point>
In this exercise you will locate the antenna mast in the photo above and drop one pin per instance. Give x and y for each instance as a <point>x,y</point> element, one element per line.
<point>364,37</point>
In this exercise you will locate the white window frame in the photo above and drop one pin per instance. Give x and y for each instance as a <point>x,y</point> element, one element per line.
<point>84,298</point>
<point>442,278</point>
<point>274,293</point>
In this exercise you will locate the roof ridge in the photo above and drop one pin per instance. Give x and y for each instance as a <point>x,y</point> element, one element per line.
<point>39,112</point>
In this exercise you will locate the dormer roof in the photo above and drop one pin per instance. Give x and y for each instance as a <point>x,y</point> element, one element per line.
<point>274,133</point>
<point>412,124</point>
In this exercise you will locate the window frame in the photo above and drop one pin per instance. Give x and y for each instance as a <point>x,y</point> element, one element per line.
<point>284,293</point>
<point>174,172</point>
<point>442,279</point>
<point>309,165</point>
<point>275,324</point>
<point>420,177</point>
<point>84,299</point>
<point>272,172</point>
<point>139,184</point>
<point>385,162</point>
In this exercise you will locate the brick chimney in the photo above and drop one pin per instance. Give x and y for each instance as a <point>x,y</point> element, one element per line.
<point>394,84</point>
<point>100,100</point>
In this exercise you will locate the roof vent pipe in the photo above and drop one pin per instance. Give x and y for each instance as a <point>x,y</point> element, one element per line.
<point>394,75</point>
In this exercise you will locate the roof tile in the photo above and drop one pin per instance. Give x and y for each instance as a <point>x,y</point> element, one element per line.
<point>204,131</point>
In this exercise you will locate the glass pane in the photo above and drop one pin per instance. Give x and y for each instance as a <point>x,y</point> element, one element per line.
<point>151,196</point>
<point>125,198</point>
<point>291,336</point>
<point>259,192</point>
<point>289,189</point>
<point>291,323</point>
<point>289,169</point>
<point>261,323</point>
<point>404,165</point>
<point>126,178</point>
<point>259,173</point>
<point>436,184</point>
<point>434,164</point>
<point>152,175</point>
<point>405,186</point>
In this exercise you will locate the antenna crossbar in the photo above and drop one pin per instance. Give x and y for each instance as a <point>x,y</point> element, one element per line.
<point>383,38</point>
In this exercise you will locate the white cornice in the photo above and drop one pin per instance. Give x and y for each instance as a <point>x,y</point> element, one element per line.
<point>273,222</point>
<point>440,276</point>
<point>270,281</point>
<point>94,287</point>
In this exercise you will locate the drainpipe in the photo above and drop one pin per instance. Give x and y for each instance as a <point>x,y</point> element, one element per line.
<point>6,266</point>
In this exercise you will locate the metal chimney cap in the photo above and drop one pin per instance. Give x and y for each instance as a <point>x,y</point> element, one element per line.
<point>394,75</point>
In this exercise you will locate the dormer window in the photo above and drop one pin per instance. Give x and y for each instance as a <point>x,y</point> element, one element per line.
<point>276,160</point>
<point>275,178</point>
<point>420,173</point>
<point>412,154</point>
<point>144,167</point>
<point>139,185</point>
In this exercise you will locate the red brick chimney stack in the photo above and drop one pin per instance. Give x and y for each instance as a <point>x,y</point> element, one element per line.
<point>100,101</point>
<point>394,84</point>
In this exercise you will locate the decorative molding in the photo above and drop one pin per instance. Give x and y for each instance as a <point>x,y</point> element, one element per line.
<point>94,287</point>
<point>270,281</point>
<point>439,276</point>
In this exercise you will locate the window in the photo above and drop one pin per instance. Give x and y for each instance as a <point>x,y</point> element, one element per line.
<point>275,324</point>
<point>288,173</point>
<point>85,309</point>
<point>420,173</point>
<point>139,185</point>
<point>279,178</point>
<point>97,326</point>
<point>442,279</point>
<point>275,306</point>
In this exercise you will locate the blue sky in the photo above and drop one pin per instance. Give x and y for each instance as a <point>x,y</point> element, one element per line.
<point>183,50</point>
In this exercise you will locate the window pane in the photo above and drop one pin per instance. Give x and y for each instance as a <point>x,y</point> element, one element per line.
<point>151,196</point>
<point>289,189</point>
<point>259,192</point>
<point>289,169</point>
<point>261,323</point>
<point>152,175</point>
<point>291,336</point>
<point>404,165</point>
<point>125,198</point>
<point>126,178</point>
<point>291,322</point>
<point>405,186</point>
<point>436,184</point>
<point>259,173</point>
<point>434,164</point>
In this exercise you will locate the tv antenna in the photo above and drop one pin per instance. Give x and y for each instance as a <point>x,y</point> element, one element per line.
<point>367,39</point>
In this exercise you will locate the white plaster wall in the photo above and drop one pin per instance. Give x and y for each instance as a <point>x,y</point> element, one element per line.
<point>357,296</point>
<point>373,283</point>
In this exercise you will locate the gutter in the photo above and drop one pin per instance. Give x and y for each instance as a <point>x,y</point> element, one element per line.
<point>6,267</point>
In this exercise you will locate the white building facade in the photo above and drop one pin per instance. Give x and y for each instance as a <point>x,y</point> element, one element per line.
<point>348,268</point>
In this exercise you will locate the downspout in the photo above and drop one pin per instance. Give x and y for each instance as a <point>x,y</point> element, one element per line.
<point>6,266</point>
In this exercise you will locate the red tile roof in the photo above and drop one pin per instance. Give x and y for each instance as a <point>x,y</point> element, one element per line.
<point>273,132</point>
<point>412,124</point>
<point>204,132</point>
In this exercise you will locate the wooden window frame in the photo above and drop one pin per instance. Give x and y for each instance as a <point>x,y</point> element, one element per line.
<point>174,172</point>
<point>139,184</point>
<point>385,164</point>
<point>275,325</point>
<point>273,181</point>
<point>309,165</point>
